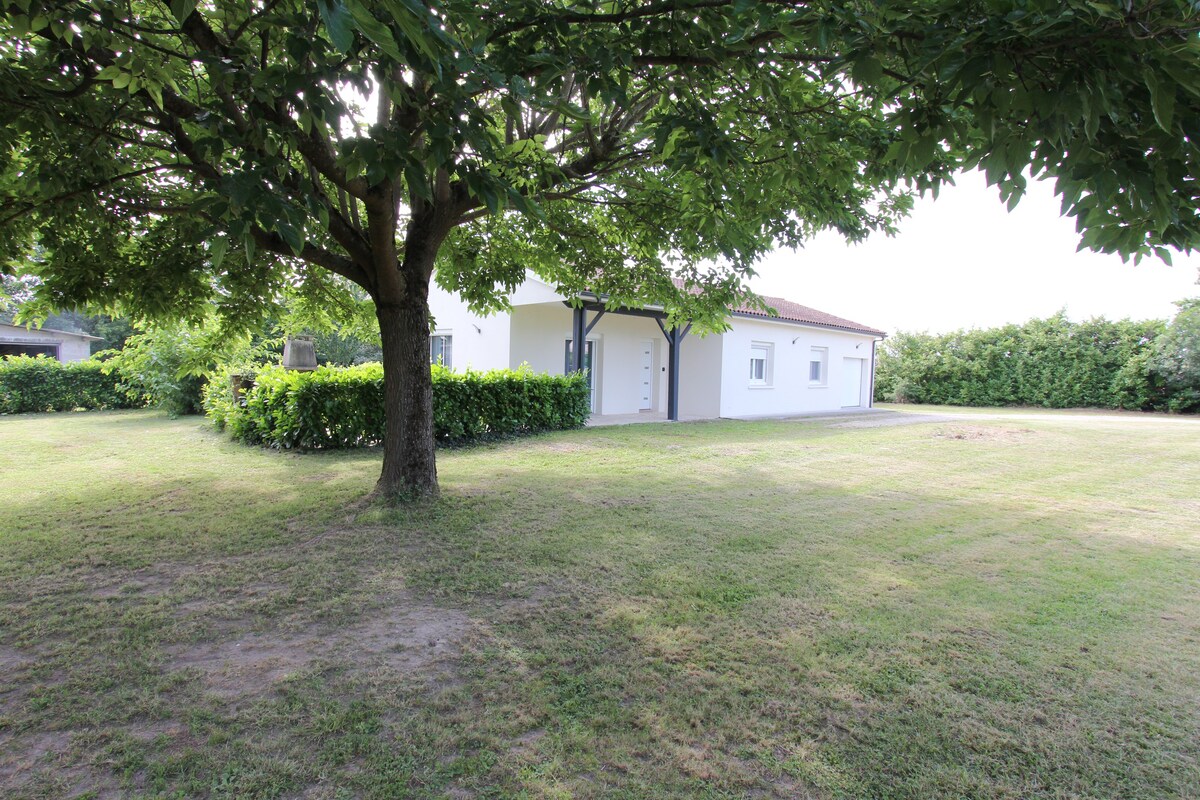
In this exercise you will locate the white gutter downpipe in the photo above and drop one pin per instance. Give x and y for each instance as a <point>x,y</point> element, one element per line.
<point>871,396</point>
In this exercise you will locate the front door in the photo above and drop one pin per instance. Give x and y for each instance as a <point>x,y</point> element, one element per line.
<point>646,375</point>
<point>588,360</point>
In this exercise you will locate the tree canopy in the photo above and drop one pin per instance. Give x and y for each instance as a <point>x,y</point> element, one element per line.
<point>169,156</point>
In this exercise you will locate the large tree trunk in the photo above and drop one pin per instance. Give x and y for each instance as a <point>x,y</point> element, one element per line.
<point>409,466</point>
<point>401,295</point>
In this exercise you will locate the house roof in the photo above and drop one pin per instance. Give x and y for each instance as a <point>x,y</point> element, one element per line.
<point>79,334</point>
<point>788,311</point>
<point>785,310</point>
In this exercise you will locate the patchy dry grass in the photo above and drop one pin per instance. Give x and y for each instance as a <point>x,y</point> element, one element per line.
<point>960,607</point>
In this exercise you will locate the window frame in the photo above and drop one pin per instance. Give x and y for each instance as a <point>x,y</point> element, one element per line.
<point>819,357</point>
<point>447,338</point>
<point>47,349</point>
<point>768,366</point>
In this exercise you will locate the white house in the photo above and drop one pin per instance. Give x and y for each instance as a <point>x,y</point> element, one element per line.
<point>800,360</point>
<point>17,340</point>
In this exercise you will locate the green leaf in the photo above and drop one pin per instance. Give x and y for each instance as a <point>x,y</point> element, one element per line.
<point>374,30</point>
<point>867,71</point>
<point>337,23</point>
<point>155,92</point>
<point>292,235</point>
<point>251,249</point>
<point>1162,99</point>
<point>216,251</point>
<point>182,9</point>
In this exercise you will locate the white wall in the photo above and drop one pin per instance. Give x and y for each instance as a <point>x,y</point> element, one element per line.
<point>538,336</point>
<point>478,342</point>
<point>714,370</point>
<point>790,390</point>
<point>70,346</point>
<point>700,372</point>
<point>486,342</point>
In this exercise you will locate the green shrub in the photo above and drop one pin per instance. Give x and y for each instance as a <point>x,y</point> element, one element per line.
<point>38,383</point>
<point>1177,358</point>
<point>1054,363</point>
<point>344,407</point>
<point>165,364</point>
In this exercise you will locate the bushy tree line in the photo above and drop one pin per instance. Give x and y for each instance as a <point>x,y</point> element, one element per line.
<point>165,364</point>
<point>1053,362</point>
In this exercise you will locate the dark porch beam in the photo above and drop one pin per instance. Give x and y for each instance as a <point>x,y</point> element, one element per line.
<point>578,339</point>
<point>595,319</point>
<point>674,344</point>
<point>625,312</point>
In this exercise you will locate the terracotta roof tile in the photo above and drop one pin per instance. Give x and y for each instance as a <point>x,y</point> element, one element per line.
<point>794,312</point>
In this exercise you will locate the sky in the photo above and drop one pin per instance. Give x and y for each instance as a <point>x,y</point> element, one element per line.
<point>964,261</point>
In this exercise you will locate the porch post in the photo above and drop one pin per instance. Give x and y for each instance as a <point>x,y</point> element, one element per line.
<point>673,342</point>
<point>578,339</point>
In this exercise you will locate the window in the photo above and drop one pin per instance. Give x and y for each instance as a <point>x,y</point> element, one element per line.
<point>760,364</point>
<point>441,350</point>
<point>589,358</point>
<point>15,349</point>
<point>818,366</point>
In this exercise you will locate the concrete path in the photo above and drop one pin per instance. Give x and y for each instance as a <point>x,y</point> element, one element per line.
<point>891,416</point>
<point>602,420</point>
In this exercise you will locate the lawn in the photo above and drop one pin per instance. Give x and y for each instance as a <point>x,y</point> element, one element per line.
<point>953,607</point>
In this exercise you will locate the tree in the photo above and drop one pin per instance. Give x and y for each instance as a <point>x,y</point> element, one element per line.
<point>1177,357</point>
<point>171,155</point>
<point>15,290</point>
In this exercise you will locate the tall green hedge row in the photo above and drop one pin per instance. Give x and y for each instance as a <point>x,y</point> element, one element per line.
<point>1053,363</point>
<point>335,407</point>
<point>37,383</point>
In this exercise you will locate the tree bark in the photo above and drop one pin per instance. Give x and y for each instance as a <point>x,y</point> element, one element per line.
<point>409,464</point>
<point>401,295</point>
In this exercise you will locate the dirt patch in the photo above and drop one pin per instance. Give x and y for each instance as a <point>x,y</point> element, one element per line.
<point>409,639</point>
<point>888,420</point>
<point>404,636</point>
<point>12,659</point>
<point>248,666</point>
<point>150,731</point>
<point>21,755</point>
<point>206,606</point>
<point>527,743</point>
<point>569,446</point>
<point>135,584</point>
<point>979,433</point>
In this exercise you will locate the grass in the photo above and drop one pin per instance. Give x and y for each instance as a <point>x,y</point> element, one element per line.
<point>965,607</point>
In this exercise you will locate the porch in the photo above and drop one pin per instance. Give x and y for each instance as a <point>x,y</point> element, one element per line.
<point>638,371</point>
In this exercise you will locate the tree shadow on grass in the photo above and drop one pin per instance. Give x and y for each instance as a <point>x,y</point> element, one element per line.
<point>616,630</point>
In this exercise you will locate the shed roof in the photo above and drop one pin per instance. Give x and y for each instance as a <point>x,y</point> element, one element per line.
<point>79,334</point>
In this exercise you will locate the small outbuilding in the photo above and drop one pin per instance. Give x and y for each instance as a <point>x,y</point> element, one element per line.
<point>17,340</point>
<point>798,360</point>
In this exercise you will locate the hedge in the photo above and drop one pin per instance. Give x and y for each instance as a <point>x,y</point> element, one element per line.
<point>338,407</point>
<point>1053,363</point>
<point>37,383</point>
